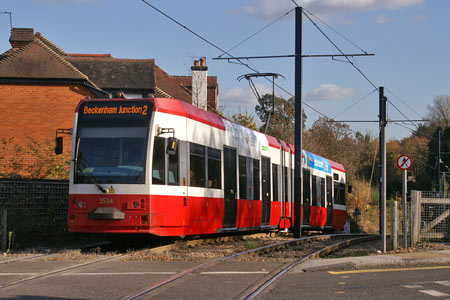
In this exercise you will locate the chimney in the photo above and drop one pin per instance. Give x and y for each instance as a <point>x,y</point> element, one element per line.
<point>199,84</point>
<point>20,37</point>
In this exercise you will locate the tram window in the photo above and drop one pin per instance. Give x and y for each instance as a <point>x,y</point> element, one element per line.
<point>242,177</point>
<point>322,192</point>
<point>286,184</point>
<point>342,193</point>
<point>339,193</point>
<point>158,172</point>
<point>315,199</point>
<point>336,192</point>
<point>307,186</point>
<point>275,182</point>
<point>173,168</point>
<point>255,179</point>
<point>214,169</point>
<point>329,191</point>
<point>197,165</point>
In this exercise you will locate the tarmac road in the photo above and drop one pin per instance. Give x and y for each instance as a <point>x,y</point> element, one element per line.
<point>115,279</point>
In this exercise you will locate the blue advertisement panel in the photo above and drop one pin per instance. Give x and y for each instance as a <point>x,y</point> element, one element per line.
<point>316,162</point>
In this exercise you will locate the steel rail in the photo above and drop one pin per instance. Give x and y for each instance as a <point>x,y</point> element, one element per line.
<point>275,246</point>
<point>315,254</point>
<point>58,271</point>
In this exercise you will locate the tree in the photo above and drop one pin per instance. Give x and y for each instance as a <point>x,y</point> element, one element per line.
<point>438,116</point>
<point>439,112</point>
<point>282,117</point>
<point>245,119</point>
<point>334,141</point>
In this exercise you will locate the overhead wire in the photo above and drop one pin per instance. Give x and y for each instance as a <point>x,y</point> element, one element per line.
<point>337,32</point>
<point>306,12</point>
<point>239,61</point>
<point>257,32</point>
<point>354,103</point>
<point>226,52</point>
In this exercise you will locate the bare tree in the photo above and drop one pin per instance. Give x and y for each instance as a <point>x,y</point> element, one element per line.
<point>439,111</point>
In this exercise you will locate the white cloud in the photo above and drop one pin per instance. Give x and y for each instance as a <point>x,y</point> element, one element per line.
<point>329,91</point>
<point>270,9</point>
<point>381,19</point>
<point>239,99</point>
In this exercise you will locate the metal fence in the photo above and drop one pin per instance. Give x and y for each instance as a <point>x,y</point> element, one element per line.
<point>35,207</point>
<point>430,216</point>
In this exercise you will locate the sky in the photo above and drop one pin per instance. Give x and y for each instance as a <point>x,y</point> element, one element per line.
<point>410,40</point>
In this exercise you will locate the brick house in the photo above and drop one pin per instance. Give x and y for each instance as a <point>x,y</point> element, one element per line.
<point>40,86</point>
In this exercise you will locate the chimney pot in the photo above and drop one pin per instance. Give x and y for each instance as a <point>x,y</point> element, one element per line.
<point>202,62</point>
<point>196,63</point>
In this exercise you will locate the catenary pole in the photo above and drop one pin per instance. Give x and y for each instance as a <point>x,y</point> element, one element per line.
<point>298,180</point>
<point>383,101</point>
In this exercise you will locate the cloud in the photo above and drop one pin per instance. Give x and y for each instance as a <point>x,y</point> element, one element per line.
<point>270,9</point>
<point>381,19</point>
<point>239,99</point>
<point>329,91</point>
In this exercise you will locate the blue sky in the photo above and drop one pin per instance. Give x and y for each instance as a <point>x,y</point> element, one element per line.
<point>410,40</point>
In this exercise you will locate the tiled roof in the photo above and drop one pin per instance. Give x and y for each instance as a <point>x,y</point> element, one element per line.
<point>36,60</point>
<point>115,73</point>
<point>170,85</point>
<point>33,56</point>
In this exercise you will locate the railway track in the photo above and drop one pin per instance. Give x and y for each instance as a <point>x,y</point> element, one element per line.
<point>160,247</point>
<point>313,246</point>
<point>274,249</point>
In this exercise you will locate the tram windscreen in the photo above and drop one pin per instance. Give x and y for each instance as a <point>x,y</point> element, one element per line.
<point>111,155</point>
<point>111,148</point>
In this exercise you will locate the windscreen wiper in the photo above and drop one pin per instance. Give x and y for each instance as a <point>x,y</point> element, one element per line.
<point>91,178</point>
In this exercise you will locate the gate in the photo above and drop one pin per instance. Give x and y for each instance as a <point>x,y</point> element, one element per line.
<point>430,213</point>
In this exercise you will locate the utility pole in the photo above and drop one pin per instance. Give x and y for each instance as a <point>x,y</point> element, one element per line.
<point>382,202</point>
<point>298,169</point>
<point>298,180</point>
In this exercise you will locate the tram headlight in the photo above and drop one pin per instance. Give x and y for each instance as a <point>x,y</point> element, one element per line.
<point>135,204</point>
<point>79,204</point>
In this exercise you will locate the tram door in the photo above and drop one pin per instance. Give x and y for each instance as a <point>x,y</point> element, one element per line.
<point>265,171</point>
<point>230,185</point>
<point>329,201</point>
<point>306,196</point>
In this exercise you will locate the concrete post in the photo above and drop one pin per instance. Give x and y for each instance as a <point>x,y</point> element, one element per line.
<point>394,226</point>
<point>415,217</point>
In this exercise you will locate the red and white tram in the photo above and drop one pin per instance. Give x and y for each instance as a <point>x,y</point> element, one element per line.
<point>166,168</point>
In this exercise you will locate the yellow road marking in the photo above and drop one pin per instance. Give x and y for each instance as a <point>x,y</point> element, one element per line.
<point>340,292</point>
<point>341,283</point>
<point>388,270</point>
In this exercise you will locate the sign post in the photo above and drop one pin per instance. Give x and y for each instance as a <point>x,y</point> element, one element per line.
<point>404,162</point>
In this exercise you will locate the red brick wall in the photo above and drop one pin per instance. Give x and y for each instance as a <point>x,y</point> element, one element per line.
<point>37,111</point>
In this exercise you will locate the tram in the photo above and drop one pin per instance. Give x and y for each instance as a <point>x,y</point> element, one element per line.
<point>166,168</point>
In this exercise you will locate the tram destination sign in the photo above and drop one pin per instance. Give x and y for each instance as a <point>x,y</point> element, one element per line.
<point>115,111</point>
